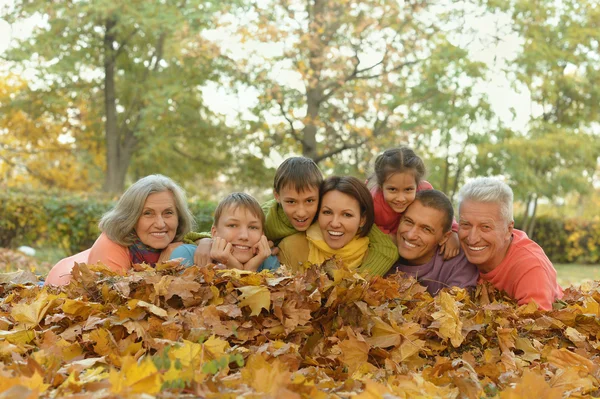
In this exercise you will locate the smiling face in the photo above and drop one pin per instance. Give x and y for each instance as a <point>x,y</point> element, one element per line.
<point>420,233</point>
<point>339,218</point>
<point>242,229</point>
<point>300,207</point>
<point>157,225</point>
<point>399,190</point>
<point>484,234</point>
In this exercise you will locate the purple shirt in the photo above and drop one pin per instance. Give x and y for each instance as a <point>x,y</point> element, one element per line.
<point>439,273</point>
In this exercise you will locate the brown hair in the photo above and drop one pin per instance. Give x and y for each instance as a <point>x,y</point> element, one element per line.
<point>437,200</point>
<point>356,189</point>
<point>300,173</point>
<point>398,160</point>
<point>240,200</point>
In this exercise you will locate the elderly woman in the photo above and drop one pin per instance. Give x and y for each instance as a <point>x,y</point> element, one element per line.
<point>344,219</point>
<point>148,221</point>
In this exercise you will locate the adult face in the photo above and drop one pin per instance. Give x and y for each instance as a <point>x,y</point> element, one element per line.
<point>420,233</point>
<point>300,207</point>
<point>399,190</point>
<point>242,229</point>
<point>339,218</point>
<point>157,225</point>
<point>484,234</point>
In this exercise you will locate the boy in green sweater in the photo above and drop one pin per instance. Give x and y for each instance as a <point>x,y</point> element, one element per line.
<point>294,208</point>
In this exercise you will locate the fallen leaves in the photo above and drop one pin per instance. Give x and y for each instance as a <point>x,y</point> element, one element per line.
<point>322,333</point>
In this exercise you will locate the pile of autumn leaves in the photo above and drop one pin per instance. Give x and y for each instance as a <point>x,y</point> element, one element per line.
<point>323,332</point>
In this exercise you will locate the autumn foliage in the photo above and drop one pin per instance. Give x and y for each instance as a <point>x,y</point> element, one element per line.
<point>324,332</point>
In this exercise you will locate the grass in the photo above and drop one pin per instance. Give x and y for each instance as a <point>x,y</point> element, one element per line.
<point>575,274</point>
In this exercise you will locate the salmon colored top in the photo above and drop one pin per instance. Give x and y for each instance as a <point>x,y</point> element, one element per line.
<point>526,273</point>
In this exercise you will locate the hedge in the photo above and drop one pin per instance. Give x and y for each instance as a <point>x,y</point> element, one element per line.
<point>69,222</point>
<point>569,240</point>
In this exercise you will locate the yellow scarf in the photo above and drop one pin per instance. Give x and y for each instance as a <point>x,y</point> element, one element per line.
<point>351,254</point>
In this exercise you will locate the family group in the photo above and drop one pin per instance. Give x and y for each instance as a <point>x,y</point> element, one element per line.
<point>394,222</point>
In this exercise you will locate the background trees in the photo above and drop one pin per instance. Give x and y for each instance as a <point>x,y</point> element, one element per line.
<point>138,67</point>
<point>116,91</point>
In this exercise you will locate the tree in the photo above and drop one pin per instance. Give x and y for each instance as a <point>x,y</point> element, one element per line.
<point>559,66</point>
<point>139,65</point>
<point>36,141</point>
<point>343,74</point>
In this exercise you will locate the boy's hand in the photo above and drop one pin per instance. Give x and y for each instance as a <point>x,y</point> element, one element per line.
<point>220,251</point>
<point>274,249</point>
<point>262,251</point>
<point>202,253</point>
<point>451,247</point>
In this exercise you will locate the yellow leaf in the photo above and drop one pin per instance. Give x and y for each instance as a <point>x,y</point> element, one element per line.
<point>216,346</point>
<point>450,325</point>
<point>30,314</point>
<point>355,351</point>
<point>134,377</point>
<point>256,297</point>
<point>531,385</point>
<point>160,312</point>
<point>373,390</point>
<point>265,377</point>
<point>383,335</point>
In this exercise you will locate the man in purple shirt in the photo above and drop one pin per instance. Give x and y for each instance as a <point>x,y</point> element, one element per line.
<point>424,227</point>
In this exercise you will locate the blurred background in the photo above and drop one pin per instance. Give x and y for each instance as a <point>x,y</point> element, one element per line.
<point>215,94</point>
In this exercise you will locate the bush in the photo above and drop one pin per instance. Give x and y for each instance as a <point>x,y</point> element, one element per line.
<point>68,222</point>
<point>569,241</point>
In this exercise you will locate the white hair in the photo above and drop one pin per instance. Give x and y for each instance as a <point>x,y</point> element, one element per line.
<point>487,189</point>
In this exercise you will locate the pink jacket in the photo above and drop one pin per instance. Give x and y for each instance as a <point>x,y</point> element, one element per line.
<point>385,218</point>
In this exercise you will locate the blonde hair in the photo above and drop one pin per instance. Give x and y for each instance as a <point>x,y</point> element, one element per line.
<point>240,200</point>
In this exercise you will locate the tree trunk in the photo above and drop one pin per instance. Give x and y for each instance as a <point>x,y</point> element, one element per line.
<point>309,133</point>
<point>531,227</point>
<point>525,221</point>
<point>115,178</point>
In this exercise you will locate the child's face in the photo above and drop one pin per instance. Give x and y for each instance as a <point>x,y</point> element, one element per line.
<point>239,227</point>
<point>399,190</point>
<point>299,207</point>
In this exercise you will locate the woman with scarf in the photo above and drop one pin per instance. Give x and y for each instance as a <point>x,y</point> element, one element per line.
<point>147,223</point>
<point>344,219</point>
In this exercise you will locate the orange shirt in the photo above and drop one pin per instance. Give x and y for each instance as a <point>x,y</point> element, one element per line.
<point>526,273</point>
<point>113,255</point>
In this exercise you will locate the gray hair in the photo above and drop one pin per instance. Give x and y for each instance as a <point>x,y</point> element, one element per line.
<point>119,223</point>
<point>487,189</point>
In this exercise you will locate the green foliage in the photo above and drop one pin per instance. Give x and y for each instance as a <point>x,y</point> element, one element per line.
<point>569,241</point>
<point>68,222</point>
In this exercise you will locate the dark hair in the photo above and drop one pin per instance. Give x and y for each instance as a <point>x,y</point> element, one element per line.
<point>356,189</point>
<point>398,160</point>
<point>437,200</point>
<point>240,200</point>
<point>300,173</point>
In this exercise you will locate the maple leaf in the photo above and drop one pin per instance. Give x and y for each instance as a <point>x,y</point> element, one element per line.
<point>450,325</point>
<point>265,377</point>
<point>30,314</point>
<point>531,385</point>
<point>355,351</point>
<point>256,297</point>
<point>134,377</point>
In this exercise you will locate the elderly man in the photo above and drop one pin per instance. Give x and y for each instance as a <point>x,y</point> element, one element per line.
<point>505,256</point>
<point>424,227</point>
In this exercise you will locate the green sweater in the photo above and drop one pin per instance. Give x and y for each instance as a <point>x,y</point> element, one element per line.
<point>382,254</point>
